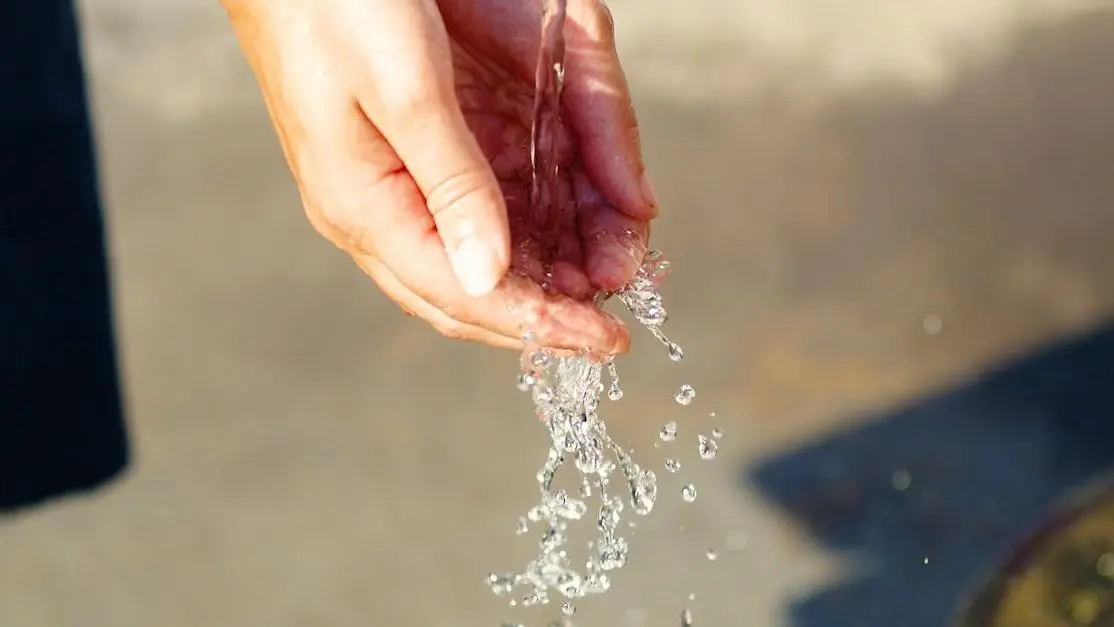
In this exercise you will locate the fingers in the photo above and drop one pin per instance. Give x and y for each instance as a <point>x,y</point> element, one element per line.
<point>415,107</point>
<point>374,209</point>
<point>599,107</point>
<point>376,213</point>
<point>416,305</point>
<point>416,114</point>
<point>371,199</point>
<point>615,244</point>
<point>457,329</point>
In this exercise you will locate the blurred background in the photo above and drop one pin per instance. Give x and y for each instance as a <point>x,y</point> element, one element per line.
<point>891,227</point>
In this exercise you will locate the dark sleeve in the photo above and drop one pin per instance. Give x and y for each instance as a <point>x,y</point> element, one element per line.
<point>61,423</point>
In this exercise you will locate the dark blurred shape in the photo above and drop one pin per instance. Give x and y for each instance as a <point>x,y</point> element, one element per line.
<point>928,497</point>
<point>1061,576</point>
<point>61,426</point>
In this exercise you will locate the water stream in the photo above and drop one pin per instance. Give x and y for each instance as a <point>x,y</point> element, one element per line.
<point>566,392</point>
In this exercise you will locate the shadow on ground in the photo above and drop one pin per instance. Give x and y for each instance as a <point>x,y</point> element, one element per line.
<point>929,496</point>
<point>924,499</point>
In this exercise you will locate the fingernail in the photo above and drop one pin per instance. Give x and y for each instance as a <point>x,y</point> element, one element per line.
<point>476,265</point>
<point>648,194</point>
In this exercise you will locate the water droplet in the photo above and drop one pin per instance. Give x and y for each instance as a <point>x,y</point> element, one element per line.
<point>672,465</point>
<point>571,509</point>
<point>526,381</point>
<point>540,359</point>
<point>676,353</point>
<point>717,433</point>
<point>643,492</point>
<point>596,583</point>
<point>609,515</point>
<point>707,447</point>
<point>692,596</point>
<point>612,554</point>
<point>712,555</point>
<point>537,596</point>
<point>685,395</point>
<point>523,527</point>
<point>901,480</point>
<point>585,488</point>
<point>686,618</point>
<point>568,609</point>
<point>614,392</point>
<point>668,432</point>
<point>688,493</point>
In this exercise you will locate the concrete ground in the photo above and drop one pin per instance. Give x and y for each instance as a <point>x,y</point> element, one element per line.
<point>891,226</point>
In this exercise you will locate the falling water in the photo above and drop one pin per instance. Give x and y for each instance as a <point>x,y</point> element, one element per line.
<point>566,391</point>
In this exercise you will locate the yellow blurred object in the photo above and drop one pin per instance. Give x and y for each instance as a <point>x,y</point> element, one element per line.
<point>1061,576</point>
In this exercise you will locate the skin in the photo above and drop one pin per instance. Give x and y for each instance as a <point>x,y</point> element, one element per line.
<point>406,125</point>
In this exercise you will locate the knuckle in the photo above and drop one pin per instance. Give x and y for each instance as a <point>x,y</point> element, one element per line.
<point>331,223</point>
<point>413,101</point>
<point>452,329</point>
<point>453,190</point>
<point>321,223</point>
<point>346,215</point>
<point>414,95</point>
<point>455,311</point>
<point>344,228</point>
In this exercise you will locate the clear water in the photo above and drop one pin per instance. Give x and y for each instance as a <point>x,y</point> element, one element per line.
<point>566,391</point>
<point>707,447</point>
<point>688,493</point>
<point>685,395</point>
<point>668,432</point>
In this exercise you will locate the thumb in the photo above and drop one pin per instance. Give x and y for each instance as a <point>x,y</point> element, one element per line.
<point>413,103</point>
<point>460,189</point>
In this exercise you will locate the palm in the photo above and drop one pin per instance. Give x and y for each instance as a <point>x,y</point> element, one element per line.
<point>577,245</point>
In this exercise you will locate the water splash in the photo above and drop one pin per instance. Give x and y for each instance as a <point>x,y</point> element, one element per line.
<point>566,393</point>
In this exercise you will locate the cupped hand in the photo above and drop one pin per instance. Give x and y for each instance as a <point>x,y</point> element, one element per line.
<point>406,124</point>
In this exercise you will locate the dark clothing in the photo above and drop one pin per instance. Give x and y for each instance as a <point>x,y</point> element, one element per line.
<point>61,423</point>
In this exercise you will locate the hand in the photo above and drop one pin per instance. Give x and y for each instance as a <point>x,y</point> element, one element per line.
<point>406,124</point>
